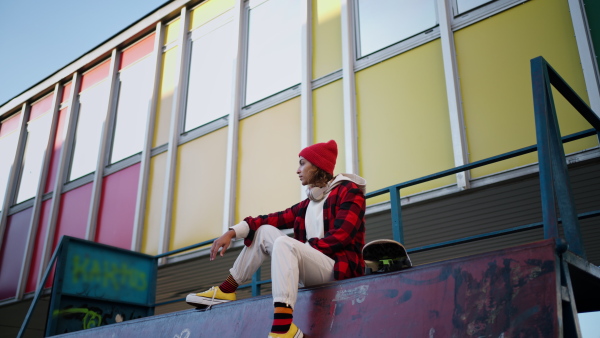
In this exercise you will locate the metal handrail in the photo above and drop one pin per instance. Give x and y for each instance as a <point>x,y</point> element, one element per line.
<point>552,167</point>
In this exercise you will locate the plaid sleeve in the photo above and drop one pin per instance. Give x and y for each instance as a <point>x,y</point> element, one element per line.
<point>347,222</point>
<point>281,220</point>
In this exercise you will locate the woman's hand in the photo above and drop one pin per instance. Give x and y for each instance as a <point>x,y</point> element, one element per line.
<point>222,242</point>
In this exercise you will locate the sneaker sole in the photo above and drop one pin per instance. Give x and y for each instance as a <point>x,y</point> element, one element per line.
<point>203,301</point>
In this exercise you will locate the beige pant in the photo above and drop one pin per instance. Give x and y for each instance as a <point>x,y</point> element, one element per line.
<point>292,263</point>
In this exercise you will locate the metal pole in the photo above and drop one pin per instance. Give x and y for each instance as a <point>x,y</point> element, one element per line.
<point>397,228</point>
<point>539,78</point>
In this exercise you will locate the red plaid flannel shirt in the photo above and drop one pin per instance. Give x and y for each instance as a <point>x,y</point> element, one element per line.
<point>344,228</point>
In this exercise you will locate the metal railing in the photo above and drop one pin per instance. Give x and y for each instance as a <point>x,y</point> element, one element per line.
<point>554,180</point>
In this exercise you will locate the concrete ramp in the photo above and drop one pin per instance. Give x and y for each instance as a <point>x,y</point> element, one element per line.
<point>508,293</point>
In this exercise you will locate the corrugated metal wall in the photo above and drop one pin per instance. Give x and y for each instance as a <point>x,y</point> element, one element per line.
<point>503,205</point>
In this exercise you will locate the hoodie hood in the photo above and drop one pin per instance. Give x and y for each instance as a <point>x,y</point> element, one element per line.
<point>316,194</point>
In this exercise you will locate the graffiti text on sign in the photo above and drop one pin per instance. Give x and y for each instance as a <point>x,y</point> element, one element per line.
<point>108,273</point>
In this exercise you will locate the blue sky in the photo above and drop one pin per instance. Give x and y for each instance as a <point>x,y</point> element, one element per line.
<point>39,37</point>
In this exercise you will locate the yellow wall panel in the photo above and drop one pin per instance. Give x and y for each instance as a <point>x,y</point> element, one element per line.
<point>328,119</point>
<point>165,102</point>
<point>208,11</point>
<point>269,143</point>
<point>327,37</point>
<point>172,31</point>
<point>152,219</point>
<point>494,65</point>
<point>199,190</point>
<point>403,121</point>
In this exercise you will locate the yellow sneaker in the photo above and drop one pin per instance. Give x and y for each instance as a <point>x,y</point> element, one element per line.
<point>210,297</point>
<point>293,332</point>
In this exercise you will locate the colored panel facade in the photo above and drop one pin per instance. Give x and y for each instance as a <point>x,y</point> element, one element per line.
<point>13,252</point>
<point>154,202</point>
<point>493,60</point>
<point>40,239</point>
<point>66,94</point>
<point>137,51</point>
<point>327,37</point>
<point>403,123</point>
<point>199,193</point>
<point>95,75</point>
<point>38,132</point>
<point>209,10</point>
<point>57,146</point>
<point>9,138</point>
<point>269,144</point>
<point>172,31</point>
<point>73,214</point>
<point>117,208</point>
<point>41,107</point>
<point>328,119</point>
<point>165,97</point>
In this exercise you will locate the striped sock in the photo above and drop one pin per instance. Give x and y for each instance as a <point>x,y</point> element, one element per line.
<point>229,285</point>
<point>282,318</point>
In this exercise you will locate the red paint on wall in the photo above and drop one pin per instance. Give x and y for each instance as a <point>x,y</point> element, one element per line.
<point>41,107</point>
<point>95,75</point>
<point>117,208</point>
<point>38,248</point>
<point>137,51</point>
<point>55,157</point>
<point>66,94</point>
<point>13,252</point>
<point>10,124</point>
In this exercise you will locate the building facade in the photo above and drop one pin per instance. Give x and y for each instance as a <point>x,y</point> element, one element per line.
<point>192,118</point>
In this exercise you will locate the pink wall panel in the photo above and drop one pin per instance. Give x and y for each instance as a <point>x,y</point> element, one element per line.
<point>95,75</point>
<point>9,125</point>
<point>58,143</point>
<point>13,252</point>
<point>117,208</point>
<point>137,51</point>
<point>39,246</point>
<point>66,93</point>
<point>73,214</point>
<point>41,107</point>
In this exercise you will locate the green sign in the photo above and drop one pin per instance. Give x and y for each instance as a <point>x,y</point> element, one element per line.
<point>96,284</point>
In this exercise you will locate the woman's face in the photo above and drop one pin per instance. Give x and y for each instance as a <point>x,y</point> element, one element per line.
<point>305,171</point>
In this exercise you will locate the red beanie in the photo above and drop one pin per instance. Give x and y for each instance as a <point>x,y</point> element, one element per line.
<point>323,155</point>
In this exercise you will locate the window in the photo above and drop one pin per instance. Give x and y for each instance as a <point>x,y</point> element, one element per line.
<point>274,39</point>
<point>9,137</point>
<point>466,5</point>
<point>38,131</point>
<point>135,90</point>
<point>93,103</point>
<point>382,23</point>
<point>211,72</point>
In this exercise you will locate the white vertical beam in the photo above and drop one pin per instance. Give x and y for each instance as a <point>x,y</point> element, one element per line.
<point>306,94</point>
<point>349,87</point>
<point>67,144</point>
<point>167,207</point>
<point>90,233</point>
<point>306,109</point>
<point>586,53</point>
<point>455,109</point>
<point>37,202</point>
<point>15,170</point>
<point>234,117</point>
<point>142,192</point>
